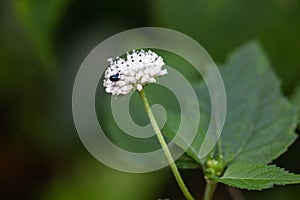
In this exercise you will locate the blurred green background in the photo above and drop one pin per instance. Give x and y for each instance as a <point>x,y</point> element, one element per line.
<point>42,44</point>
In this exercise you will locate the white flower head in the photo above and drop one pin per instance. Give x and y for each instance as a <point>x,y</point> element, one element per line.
<point>138,69</point>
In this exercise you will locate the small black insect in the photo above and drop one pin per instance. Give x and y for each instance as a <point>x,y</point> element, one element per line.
<point>114,77</point>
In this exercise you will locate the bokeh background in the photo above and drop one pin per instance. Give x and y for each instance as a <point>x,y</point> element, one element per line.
<point>42,44</point>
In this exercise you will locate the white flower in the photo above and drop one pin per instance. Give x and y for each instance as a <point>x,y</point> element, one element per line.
<point>138,69</point>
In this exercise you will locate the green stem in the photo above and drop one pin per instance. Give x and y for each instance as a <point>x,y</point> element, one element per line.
<point>209,189</point>
<point>164,146</point>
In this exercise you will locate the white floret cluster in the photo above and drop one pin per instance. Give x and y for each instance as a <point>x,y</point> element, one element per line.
<point>138,69</point>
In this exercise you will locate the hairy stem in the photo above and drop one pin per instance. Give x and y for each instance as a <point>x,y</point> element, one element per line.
<point>209,189</point>
<point>164,146</point>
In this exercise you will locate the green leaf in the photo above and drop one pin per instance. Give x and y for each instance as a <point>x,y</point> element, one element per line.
<point>295,99</point>
<point>186,162</point>
<point>255,176</point>
<point>170,131</point>
<point>260,122</point>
